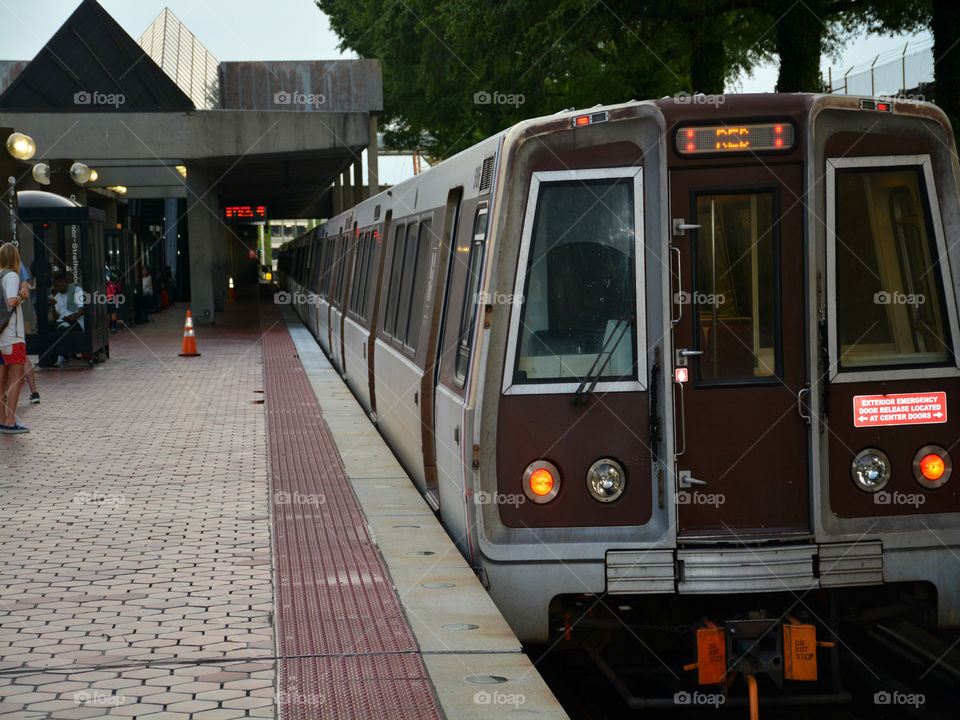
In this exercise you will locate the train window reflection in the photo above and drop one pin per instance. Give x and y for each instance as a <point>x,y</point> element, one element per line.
<point>734,292</point>
<point>889,293</point>
<point>468,309</point>
<point>580,289</point>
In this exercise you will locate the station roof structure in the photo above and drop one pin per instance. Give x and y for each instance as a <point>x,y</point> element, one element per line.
<point>281,133</point>
<point>92,53</point>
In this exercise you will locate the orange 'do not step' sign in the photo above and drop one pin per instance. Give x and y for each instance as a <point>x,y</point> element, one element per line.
<point>902,409</point>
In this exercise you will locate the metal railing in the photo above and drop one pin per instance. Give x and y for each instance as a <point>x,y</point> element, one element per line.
<point>890,73</point>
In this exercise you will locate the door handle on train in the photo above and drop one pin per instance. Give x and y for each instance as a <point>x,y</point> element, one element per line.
<point>804,392</point>
<point>682,354</point>
<point>680,226</point>
<point>684,479</point>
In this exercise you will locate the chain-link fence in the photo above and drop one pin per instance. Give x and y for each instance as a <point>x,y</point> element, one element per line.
<point>889,74</point>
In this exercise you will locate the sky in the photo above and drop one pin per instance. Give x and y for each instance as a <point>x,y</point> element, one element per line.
<point>298,30</point>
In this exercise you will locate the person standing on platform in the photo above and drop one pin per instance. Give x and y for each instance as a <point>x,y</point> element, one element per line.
<point>28,366</point>
<point>13,345</point>
<point>146,295</point>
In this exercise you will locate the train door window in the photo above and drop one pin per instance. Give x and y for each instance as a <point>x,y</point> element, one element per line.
<point>359,273</point>
<point>890,305</point>
<point>580,300</point>
<point>369,268</point>
<point>734,297</point>
<point>421,270</point>
<point>468,311</point>
<point>407,278</point>
<point>396,263</point>
<point>325,266</point>
<point>349,245</point>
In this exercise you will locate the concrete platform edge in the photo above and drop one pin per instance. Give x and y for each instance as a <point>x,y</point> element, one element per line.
<point>439,593</point>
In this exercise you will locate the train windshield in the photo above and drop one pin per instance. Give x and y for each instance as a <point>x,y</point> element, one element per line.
<point>580,288</point>
<point>889,293</point>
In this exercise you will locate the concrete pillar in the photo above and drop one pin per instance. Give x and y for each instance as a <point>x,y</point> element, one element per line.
<point>8,168</point>
<point>373,169</point>
<point>61,184</point>
<point>359,193</point>
<point>206,245</point>
<point>337,196</point>
<point>171,228</point>
<point>348,201</point>
<point>222,267</point>
<point>110,210</point>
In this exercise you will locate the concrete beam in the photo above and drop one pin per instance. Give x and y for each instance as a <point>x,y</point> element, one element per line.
<point>133,176</point>
<point>373,166</point>
<point>152,192</point>
<point>174,136</point>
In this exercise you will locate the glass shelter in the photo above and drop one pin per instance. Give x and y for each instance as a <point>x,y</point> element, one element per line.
<point>62,245</point>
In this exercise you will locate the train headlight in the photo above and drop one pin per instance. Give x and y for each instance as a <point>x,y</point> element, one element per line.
<point>606,480</point>
<point>932,466</point>
<point>541,481</point>
<point>870,470</point>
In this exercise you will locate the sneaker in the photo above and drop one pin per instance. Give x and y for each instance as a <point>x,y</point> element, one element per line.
<point>13,429</point>
<point>35,398</point>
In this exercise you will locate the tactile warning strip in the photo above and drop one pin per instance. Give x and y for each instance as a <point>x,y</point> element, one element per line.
<point>344,647</point>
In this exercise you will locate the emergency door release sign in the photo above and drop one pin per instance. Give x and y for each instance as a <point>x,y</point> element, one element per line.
<point>902,409</point>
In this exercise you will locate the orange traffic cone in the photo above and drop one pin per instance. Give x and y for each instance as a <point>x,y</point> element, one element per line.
<point>189,339</point>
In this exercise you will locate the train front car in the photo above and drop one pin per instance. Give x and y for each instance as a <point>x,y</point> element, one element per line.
<point>718,361</point>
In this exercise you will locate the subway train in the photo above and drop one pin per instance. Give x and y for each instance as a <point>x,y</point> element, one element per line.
<point>671,363</point>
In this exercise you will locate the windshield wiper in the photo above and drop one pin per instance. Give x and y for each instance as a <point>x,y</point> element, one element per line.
<point>583,392</point>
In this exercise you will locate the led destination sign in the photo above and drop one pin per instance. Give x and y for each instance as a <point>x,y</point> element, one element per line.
<point>749,137</point>
<point>245,212</point>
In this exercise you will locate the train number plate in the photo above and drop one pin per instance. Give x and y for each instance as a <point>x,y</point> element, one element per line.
<point>901,409</point>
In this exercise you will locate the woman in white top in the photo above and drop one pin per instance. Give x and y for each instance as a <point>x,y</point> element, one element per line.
<point>13,347</point>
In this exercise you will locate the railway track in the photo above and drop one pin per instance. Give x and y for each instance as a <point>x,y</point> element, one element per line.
<point>890,669</point>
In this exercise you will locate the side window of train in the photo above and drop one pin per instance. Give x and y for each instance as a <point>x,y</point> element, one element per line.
<point>468,309</point>
<point>325,266</point>
<point>359,276</point>
<point>393,291</point>
<point>369,269</point>
<point>419,275</point>
<point>407,278</point>
<point>348,247</point>
<point>889,305</point>
<point>578,279</point>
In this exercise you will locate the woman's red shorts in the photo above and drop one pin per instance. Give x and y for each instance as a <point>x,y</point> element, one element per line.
<point>17,356</point>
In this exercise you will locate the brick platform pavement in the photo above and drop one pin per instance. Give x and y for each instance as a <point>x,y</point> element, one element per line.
<point>135,576</point>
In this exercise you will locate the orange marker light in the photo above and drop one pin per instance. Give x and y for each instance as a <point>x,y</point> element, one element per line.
<point>582,120</point>
<point>932,466</point>
<point>541,482</point>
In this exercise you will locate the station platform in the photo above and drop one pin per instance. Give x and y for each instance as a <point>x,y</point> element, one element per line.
<point>228,536</point>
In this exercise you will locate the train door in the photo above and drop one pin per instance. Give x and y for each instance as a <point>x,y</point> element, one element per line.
<point>742,466</point>
<point>454,425</point>
<point>373,323</point>
<point>441,244</point>
<point>349,268</point>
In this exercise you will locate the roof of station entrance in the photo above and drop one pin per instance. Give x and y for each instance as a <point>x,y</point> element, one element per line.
<point>282,131</point>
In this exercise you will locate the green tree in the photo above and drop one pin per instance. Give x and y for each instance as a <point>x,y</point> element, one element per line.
<point>945,23</point>
<point>439,58</point>
<point>456,71</point>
